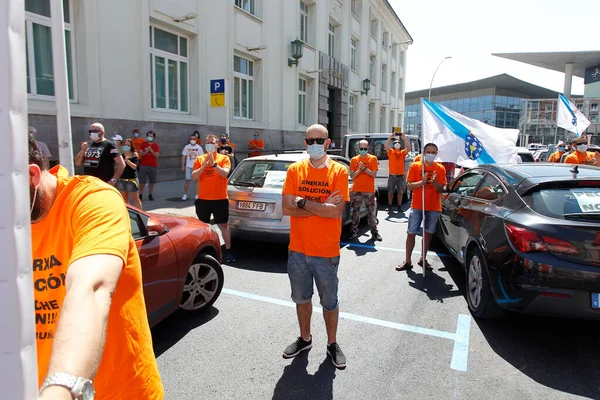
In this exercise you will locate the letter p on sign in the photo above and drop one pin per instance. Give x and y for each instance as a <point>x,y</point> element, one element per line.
<point>217,86</point>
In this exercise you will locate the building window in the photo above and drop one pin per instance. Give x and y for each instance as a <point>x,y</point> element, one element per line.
<point>370,117</point>
<point>593,118</point>
<point>38,39</point>
<point>382,120</point>
<point>355,8</point>
<point>548,107</point>
<point>393,87</point>
<point>351,103</point>
<point>580,106</point>
<point>303,22</point>
<point>594,107</point>
<point>169,84</point>
<point>384,39</point>
<point>246,5</point>
<point>243,88</point>
<point>371,67</point>
<point>353,50</point>
<point>301,101</point>
<point>383,76</point>
<point>374,28</point>
<point>401,58</point>
<point>331,42</point>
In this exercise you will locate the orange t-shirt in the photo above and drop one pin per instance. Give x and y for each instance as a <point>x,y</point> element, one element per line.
<point>433,201</point>
<point>89,217</point>
<point>396,161</point>
<point>212,186</point>
<point>253,144</point>
<point>555,157</point>
<point>417,158</point>
<point>363,182</point>
<point>137,142</point>
<point>316,236</point>
<point>579,158</point>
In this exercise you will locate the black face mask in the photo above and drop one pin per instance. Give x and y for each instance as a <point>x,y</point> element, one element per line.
<point>223,140</point>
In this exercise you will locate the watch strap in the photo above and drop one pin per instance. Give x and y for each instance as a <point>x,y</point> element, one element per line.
<point>71,382</point>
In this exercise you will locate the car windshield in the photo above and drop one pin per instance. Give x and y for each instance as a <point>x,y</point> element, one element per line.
<point>572,201</point>
<point>260,173</point>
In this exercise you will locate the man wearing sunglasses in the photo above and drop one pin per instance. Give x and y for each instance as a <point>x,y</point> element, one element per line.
<point>363,169</point>
<point>100,158</point>
<point>315,193</point>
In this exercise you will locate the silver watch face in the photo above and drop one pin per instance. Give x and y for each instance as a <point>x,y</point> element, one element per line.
<point>87,391</point>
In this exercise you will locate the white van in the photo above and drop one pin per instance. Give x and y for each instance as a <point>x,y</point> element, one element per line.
<point>377,148</point>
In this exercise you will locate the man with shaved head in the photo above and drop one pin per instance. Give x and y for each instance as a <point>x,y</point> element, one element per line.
<point>363,169</point>
<point>100,158</point>
<point>315,193</point>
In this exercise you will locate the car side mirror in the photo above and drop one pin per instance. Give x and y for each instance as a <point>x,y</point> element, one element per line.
<point>156,228</point>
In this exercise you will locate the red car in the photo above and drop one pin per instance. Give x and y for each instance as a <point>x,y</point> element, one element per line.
<point>180,263</point>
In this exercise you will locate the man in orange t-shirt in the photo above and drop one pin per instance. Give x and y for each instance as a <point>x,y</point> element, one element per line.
<point>211,170</point>
<point>430,186</point>
<point>256,146</point>
<point>137,140</point>
<point>557,155</point>
<point>363,169</point>
<point>315,193</point>
<point>90,314</point>
<point>396,157</point>
<point>581,155</point>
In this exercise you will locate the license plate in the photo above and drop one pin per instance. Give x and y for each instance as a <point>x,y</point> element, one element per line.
<point>595,300</point>
<point>250,205</point>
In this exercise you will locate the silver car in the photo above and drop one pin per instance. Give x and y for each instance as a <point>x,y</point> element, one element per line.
<point>254,191</point>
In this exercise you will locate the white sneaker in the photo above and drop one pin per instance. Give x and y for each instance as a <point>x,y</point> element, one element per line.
<point>184,198</point>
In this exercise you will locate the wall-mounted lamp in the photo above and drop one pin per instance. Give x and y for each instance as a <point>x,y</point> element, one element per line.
<point>187,17</point>
<point>297,47</point>
<point>366,86</point>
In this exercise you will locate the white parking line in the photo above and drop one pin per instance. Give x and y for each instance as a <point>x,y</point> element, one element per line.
<point>460,353</point>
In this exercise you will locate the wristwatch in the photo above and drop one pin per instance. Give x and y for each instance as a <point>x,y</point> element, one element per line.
<point>81,388</point>
<point>300,203</point>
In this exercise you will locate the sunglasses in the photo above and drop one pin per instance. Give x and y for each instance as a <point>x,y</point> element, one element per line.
<point>94,131</point>
<point>363,148</point>
<point>317,140</point>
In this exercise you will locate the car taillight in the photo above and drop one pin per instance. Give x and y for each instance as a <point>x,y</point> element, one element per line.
<point>527,241</point>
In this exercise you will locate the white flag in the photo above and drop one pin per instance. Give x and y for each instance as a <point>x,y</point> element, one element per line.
<point>466,141</point>
<point>569,117</point>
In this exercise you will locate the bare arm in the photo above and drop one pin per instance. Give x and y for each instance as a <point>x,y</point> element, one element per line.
<point>120,166</point>
<point>90,284</point>
<point>387,142</point>
<point>79,156</point>
<point>223,172</point>
<point>327,210</point>
<point>289,208</point>
<point>183,159</point>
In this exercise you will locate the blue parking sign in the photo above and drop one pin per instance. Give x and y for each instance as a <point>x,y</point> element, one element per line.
<point>217,86</point>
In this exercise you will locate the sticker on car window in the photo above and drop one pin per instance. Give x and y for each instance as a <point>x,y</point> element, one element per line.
<point>259,170</point>
<point>274,179</point>
<point>588,200</point>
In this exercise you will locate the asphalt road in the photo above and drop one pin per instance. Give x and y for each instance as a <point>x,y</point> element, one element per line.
<point>405,337</point>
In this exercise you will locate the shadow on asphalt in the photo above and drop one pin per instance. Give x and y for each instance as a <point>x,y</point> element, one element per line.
<point>260,256</point>
<point>433,285</point>
<point>297,384</point>
<point>559,353</point>
<point>174,328</point>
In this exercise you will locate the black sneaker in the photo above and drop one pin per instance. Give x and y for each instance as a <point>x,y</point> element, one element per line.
<point>141,196</point>
<point>376,236</point>
<point>230,257</point>
<point>337,356</point>
<point>298,346</point>
<point>150,197</point>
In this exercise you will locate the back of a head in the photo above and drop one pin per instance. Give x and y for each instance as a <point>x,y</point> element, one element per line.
<point>35,155</point>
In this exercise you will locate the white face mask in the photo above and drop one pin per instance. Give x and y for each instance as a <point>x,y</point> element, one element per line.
<point>397,145</point>
<point>94,136</point>
<point>429,157</point>
<point>193,142</point>
<point>149,138</point>
<point>211,147</point>
<point>316,151</point>
<point>582,148</point>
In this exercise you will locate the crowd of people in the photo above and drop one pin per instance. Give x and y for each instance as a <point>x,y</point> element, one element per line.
<point>576,152</point>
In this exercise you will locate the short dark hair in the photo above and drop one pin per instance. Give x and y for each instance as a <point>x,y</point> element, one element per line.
<point>430,144</point>
<point>151,133</point>
<point>35,155</point>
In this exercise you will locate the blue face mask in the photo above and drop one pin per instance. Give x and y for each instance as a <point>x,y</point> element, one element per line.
<point>362,152</point>
<point>561,149</point>
<point>126,148</point>
<point>429,157</point>
<point>316,151</point>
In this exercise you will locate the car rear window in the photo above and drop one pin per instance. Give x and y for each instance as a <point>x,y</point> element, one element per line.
<point>558,202</point>
<point>526,157</point>
<point>260,173</point>
<point>377,147</point>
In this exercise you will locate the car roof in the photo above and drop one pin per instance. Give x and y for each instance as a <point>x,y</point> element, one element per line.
<point>293,157</point>
<point>527,174</point>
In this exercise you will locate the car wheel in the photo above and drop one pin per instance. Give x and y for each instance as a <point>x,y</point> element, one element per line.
<point>203,284</point>
<point>479,295</point>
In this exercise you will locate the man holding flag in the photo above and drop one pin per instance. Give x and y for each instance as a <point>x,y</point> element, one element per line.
<point>426,179</point>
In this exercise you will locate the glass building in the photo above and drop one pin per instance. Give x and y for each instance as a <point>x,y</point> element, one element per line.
<point>497,101</point>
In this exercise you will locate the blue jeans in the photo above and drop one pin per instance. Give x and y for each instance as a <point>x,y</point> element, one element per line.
<point>303,270</point>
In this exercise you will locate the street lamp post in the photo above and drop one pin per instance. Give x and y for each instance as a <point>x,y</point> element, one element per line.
<point>433,77</point>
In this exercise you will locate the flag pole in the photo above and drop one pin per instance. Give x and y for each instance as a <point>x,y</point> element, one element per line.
<point>423,187</point>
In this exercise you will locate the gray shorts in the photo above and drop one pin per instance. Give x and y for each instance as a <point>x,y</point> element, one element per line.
<point>303,270</point>
<point>188,173</point>
<point>147,173</point>
<point>396,183</point>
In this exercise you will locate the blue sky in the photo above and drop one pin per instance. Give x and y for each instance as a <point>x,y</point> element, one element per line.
<point>470,30</point>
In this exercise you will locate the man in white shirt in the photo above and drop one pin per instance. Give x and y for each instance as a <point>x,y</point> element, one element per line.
<point>188,156</point>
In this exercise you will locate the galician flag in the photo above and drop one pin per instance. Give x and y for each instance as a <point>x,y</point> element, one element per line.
<point>466,141</point>
<point>569,117</point>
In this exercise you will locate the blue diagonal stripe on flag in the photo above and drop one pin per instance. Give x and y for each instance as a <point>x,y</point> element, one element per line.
<point>458,129</point>
<point>568,106</point>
